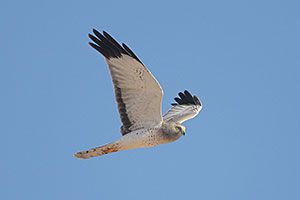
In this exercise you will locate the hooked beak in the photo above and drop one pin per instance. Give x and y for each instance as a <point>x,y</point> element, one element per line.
<point>183,130</point>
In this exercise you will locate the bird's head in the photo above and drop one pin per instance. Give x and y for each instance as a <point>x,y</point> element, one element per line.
<point>180,128</point>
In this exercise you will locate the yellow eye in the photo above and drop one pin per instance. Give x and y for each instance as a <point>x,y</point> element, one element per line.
<point>179,128</point>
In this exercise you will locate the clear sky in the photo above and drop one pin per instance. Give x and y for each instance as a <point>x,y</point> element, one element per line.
<point>240,57</point>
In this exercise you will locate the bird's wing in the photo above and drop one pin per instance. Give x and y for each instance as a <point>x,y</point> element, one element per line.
<point>137,93</point>
<point>187,107</point>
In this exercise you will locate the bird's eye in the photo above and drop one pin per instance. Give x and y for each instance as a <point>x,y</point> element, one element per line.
<point>179,128</point>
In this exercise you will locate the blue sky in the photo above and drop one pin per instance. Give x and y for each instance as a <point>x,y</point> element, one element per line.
<point>240,57</point>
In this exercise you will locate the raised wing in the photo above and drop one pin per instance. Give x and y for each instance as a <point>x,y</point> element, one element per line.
<point>187,107</point>
<point>137,92</point>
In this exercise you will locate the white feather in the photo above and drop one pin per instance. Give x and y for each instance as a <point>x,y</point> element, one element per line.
<point>141,92</point>
<point>181,113</point>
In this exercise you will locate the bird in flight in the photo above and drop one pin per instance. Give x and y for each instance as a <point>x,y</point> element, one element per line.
<point>139,99</point>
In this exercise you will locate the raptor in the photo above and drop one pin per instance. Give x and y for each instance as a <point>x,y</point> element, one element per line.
<point>139,99</point>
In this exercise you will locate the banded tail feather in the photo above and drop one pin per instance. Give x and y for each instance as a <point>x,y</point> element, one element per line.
<point>98,151</point>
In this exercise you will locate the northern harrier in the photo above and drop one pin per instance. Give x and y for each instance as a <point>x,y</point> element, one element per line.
<point>139,98</point>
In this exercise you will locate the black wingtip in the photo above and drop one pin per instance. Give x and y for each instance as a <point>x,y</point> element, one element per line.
<point>130,52</point>
<point>109,47</point>
<point>196,100</point>
<point>96,32</point>
<point>185,98</point>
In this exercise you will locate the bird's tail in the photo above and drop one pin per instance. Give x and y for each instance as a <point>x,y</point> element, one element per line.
<point>98,151</point>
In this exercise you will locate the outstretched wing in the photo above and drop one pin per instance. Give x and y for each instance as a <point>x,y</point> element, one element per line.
<point>187,107</point>
<point>137,92</point>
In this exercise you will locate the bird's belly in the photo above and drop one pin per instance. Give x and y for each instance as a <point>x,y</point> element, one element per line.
<point>142,138</point>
